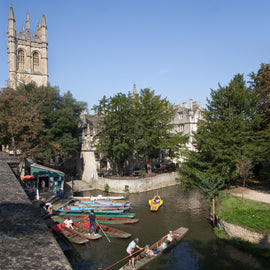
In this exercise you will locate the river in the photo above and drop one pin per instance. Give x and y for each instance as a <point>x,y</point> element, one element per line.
<point>199,249</point>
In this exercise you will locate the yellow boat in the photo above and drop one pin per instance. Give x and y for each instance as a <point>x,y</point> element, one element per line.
<point>155,203</point>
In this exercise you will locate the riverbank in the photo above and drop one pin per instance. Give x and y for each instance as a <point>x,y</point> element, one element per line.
<point>245,219</point>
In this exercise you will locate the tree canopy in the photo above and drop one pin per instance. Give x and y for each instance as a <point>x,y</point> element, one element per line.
<point>232,128</point>
<point>115,137</point>
<point>38,122</point>
<point>140,124</point>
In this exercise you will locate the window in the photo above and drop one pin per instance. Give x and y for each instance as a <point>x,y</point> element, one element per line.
<point>21,60</point>
<point>180,114</point>
<point>181,127</point>
<point>35,61</point>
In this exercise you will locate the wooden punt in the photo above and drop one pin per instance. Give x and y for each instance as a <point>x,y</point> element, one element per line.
<point>109,220</point>
<point>109,231</point>
<point>159,247</point>
<point>99,197</point>
<point>77,230</point>
<point>62,241</point>
<point>98,214</point>
<point>69,234</point>
<point>83,210</point>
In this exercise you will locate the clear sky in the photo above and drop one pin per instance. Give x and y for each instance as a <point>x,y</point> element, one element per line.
<point>179,48</point>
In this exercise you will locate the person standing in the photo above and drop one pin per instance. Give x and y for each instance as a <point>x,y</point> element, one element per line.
<point>93,219</point>
<point>130,249</point>
<point>43,185</point>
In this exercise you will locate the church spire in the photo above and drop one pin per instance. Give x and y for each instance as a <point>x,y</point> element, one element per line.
<point>11,23</point>
<point>27,23</point>
<point>134,91</point>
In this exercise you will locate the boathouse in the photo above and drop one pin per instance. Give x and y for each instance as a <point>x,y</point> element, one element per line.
<point>54,179</point>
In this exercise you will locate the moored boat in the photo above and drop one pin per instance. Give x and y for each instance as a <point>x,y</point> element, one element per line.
<point>100,197</point>
<point>110,220</point>
<point>69,234</point>
<point>109,231</point>
<point>77,229</point>
<point>103,214</point>
<point>158,248</point>
<point>102,202</point>
<point>83,210</point>
<point>155,203</point>
<point>96,206</point>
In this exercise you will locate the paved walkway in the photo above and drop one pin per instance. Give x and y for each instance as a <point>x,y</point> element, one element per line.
<point>251,194</point>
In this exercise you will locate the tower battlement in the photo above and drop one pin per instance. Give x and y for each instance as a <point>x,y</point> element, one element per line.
<point>27,53</point>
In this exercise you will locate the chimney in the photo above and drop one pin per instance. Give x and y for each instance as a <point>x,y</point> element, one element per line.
<point>194,103</point>
<point>190,103</point>
<point>184,105</point>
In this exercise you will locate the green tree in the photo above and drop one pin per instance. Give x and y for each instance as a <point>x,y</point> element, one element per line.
<point>154,127</point>
<point>116,125</point>
<point>20,123</point>
<point>140,124</point>
<point>38,122</point>
<point>61,116</point>
<point>210,187</point>
<point>231,129</point>
<point>261,84</point>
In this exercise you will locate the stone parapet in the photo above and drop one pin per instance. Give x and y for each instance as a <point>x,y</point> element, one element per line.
<point>243,234</point>
<point>25,240</point>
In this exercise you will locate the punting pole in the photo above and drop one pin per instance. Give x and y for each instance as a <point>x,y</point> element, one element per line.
<point>124,259</point>
<point>103,232</point>
<point>101,229</point>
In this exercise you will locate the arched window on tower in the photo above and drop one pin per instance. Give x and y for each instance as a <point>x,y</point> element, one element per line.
<point>35,61</point>
<point>21,60</point>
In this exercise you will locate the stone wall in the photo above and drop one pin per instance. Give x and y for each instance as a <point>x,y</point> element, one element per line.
<point>136,184</point>
<point>240,233</point>
<point>25,240</point>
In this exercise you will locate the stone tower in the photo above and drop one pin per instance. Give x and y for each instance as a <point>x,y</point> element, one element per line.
<point>27,53</point>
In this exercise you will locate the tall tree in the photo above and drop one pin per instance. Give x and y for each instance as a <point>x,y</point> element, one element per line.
<point>261,84</point>
<point>115,137</point>
<point>61,116</point>
<point>154,124</point>
<point>231,129</point>
<point>20,123</point>
<point>38,122</point>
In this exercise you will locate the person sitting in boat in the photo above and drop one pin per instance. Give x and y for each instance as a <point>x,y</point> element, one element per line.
<point>170,237</point>
<point>68,223</point>
<point>149,252</point>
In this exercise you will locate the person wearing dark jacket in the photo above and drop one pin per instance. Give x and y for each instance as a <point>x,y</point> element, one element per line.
<point>92,218</point>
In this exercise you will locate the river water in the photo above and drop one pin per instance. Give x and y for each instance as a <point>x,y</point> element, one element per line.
<point>199,249</point>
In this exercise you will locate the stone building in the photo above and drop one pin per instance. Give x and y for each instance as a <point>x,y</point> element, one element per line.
<point>27,53</point>
<point>90,162</point>
<point>186,119</point>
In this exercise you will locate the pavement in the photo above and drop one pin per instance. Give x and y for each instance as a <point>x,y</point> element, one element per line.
<point>256,191</point>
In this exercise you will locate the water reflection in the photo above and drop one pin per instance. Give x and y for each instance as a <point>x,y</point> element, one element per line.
<point>199,249</point>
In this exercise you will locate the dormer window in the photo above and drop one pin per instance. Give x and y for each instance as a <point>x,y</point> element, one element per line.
<point>180,115</point>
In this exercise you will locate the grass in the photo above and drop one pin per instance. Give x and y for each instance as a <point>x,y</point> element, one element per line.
<point>252,215</point>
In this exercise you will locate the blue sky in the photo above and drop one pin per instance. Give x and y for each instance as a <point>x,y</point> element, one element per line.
<point>180,49</point>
